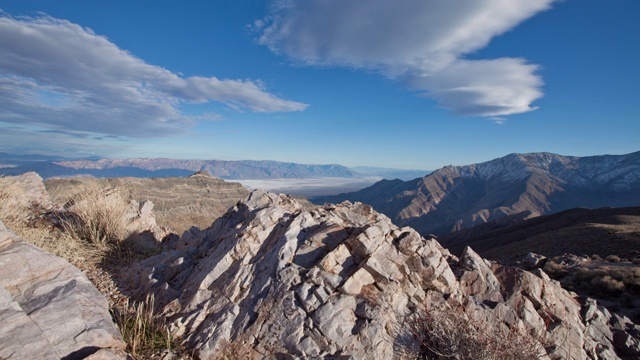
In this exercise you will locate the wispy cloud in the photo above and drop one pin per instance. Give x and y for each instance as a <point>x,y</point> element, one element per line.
<point>420,42</point>
<point>498,120</point>
<point>60,75</point>
<point>40,140</point>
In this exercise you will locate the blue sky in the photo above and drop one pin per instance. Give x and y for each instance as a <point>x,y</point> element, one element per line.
<point>406,84</point>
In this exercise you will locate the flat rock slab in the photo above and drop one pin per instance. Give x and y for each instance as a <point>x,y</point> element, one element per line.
<point>48,308</point>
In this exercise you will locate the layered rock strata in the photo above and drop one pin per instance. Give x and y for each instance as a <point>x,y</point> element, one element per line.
<point>49,309</point>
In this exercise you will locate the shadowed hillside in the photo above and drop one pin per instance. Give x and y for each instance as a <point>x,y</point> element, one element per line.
<point>604,231</point>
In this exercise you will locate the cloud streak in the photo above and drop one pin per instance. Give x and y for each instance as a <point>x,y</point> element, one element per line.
<point>60,75</point>
<point>422,43</point>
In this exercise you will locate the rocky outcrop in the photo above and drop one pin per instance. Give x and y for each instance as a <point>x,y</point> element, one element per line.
<point>24,196</point>
<point>340,280</point>
<point>49,309</point>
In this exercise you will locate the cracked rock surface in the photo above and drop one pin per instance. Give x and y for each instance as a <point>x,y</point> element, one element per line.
<point>339,280</point>
<point>49,309</point>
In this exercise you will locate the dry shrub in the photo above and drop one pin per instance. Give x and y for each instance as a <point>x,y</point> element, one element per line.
<point>554,269</point>
<point>607,284</point>
<point>93,221</point>
<point>30,222</point>
<point>16,208</point>
<point>442,334</point>
<point>98,215</point>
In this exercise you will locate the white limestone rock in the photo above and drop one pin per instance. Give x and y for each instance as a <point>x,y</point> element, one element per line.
<point>48,308</point>
<point>340,280</point>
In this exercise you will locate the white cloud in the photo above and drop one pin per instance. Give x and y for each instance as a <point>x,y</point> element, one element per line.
<point>496,87</point>
<point>58,74</point>
<point>420,42</point>
<point>498,120</point>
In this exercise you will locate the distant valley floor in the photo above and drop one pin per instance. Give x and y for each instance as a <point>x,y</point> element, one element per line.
<point>321,186</point>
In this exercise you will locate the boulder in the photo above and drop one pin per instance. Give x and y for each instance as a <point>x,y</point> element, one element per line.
<point>49,309</point>
<point>23,197</point>
<point>533,261</point>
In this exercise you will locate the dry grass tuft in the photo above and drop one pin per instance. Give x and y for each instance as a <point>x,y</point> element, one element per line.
<point>92,223</point>
<point>442,334</point>
<point>29,221</point>
<point>144,332</point>
<point>98,216</point>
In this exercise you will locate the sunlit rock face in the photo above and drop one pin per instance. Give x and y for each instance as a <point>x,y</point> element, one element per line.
<point>336,280</point>
<point>49,309</point>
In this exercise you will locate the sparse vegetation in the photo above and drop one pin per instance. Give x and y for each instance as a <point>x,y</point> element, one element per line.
<point>443,334</point>
<point>612,281</point>
<point>89,232</point>
<point>98,216</point>
<point>145,334</point>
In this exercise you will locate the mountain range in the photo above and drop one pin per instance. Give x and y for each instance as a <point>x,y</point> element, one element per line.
<point>52,166</point>
<point>522,185</point>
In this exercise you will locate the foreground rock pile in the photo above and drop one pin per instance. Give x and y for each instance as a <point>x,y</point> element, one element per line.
<point>341,280</point>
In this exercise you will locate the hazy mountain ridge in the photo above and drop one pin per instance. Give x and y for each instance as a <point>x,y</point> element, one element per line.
<point>243,169</point>
<point>49,167</point>
<point>457,197</point>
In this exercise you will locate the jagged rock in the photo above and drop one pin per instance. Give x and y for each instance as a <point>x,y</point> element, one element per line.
<point>340,280</point>
<point>49,309</point>
<point>146,234</point>
<point>533,261</point>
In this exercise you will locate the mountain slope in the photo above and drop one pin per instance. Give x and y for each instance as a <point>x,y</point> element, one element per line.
<point>458,197</point>
<point>604,231</point>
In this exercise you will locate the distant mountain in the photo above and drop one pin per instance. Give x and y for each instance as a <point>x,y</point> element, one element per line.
<point>20,159</point>
<point>161,167</point>
<point>389,173</point>
<point>458,197</point>
<point>603,231</point>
